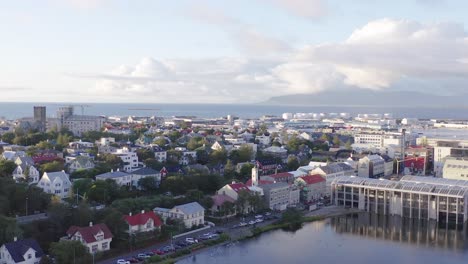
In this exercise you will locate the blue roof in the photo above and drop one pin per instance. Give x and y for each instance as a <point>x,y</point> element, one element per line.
<point>18,248</point>
<point>112,175</point>
<point>190,208</point>
<point>145,171</point>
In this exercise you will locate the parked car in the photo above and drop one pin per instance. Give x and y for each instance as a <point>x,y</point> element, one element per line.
<point>259,220</point>
<point>258,216</point>
<point>267,213</point>
<point>219,232</point>
<point>181,243</point>
<point>158,252</point>
<point>191,240</point>
<point>132,260</point>
<point>242,224</point>
<point>150,253</point>
<point>142,256</point>
<point>252,222</point>
<point>122,261</point>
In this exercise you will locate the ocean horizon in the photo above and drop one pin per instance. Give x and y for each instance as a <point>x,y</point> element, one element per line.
<point>15,110</point>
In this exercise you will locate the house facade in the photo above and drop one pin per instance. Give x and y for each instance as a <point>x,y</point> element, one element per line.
<point>312,187</point>
<point>26,173</point>
<point>143,222</point>
<point>26,251</point>
<point>96,238</point>
<point>57,183</point>
<point>80,163</point>
<point>191,214</point>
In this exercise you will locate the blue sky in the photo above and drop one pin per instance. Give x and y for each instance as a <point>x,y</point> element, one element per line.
<point>227,51</point>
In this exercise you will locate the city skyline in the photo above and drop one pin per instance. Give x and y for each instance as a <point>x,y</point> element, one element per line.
<point>242,51</point>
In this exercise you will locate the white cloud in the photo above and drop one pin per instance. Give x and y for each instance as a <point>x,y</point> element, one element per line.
<point>380,55</point>
<point>310,9</point>
<point>83,4</point>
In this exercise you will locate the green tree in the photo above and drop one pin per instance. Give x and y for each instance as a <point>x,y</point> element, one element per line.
<point>294,143</point>
<point>242,202</point>
<point>8,229</point>
<point>6,168</point>
<point>336,140</point>
<point>195,142</point>
<point>153,163</point>
<point>160,142</point>
<point>218,157</point>
<point>293,163</point>
<point>229,170</point>
<point>144,154</point>
<point>111,160</point>
<point>52,166</point>
<point>148,184</point>
<point>325,137</point>
<point>245,171</point>
<point>348,145</point>
<point>70,252</point>
<point>8,137</point>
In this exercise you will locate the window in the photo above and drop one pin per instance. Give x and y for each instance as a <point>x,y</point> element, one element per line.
<point>29,256</point>
<point>105,245</point>
<point>94,248</point>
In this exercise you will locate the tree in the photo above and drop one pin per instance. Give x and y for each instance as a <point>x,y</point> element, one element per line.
<point>6,168</point>
<point>243,154</point>
<point>8,137</point>
<point>294,143</point>
<point>229,170</point>
<point>70,252</point>
<point>293,218</point>
<point>52,166</point>
<point>293,163</point>
<point>144,154</point>
<point>242,202</point>
<point>114,161</point>
<point>148,184</point>
<point>245,171</point>
<point>195,142</point>
<point>325,137</point>
<point>8,229</point>
<point>336,140</point>
<point>218,157</point>
<point>153,163</point>
<point>348,145</point>
<point>160,142</point>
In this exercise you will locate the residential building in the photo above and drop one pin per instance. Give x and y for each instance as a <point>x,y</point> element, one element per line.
<point>191,214</point>
<point>279,177</point>
<point>219,201</point>
<point>277,195</point>
<point>312,187</point>
<point>419,197</point>
<point>144,173</point>
<point>263,140</point>
<point>40,117</point>
<point>143,222</point>
<point>232,190</point>
<point>371,166</point>
<point>120,177</point>
<point>25,251</point>
<point>26,173</point>
<point>160,155</point>
<point>129,158</point>
<point>331,171</point>
<point>57,183</point>
<point>277,152</point>
<point>80,163</point>
<point>96,238</point>
<point>455,168</point>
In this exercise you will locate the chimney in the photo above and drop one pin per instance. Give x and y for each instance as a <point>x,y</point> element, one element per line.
<point>15,239</point>
<point>118,169</point>
<point>130,214</point>
<point>233,182</point>
<point>112,170</point>
<point>90,223</point>
<point>142,211</point>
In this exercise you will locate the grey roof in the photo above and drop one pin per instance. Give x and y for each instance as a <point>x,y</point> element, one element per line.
<point>112,175</point>
<point>425,185</point>
<point>335,167</point>
<point>58,174</point>
<point>17,249</point>
<point>190,208</point>
<point>145,171</point>
<point>26,160</point>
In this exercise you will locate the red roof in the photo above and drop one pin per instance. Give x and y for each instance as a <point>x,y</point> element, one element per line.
<point>313,179</point>
<point>142,219</point>
<point>88,233</point>
<point>260,182</point>
<point>238,187</point>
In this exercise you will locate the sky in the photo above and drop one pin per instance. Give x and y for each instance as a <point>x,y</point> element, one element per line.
<point>239,51</point>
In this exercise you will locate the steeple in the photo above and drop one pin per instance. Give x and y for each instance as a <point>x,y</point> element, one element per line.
<point>255,175</point>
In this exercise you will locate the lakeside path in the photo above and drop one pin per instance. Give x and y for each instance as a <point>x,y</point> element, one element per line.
<point>246,232</point>
<point>235,234</point>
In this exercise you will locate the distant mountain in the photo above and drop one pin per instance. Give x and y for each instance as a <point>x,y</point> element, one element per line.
<point>370,98</point>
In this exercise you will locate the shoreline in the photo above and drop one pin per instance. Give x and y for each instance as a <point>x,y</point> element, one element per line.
<point>308,217</point>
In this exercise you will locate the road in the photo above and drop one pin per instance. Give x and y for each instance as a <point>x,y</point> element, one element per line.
<point>234,233</point>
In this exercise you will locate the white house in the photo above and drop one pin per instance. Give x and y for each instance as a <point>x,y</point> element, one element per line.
<point>371,166</point>
<point>80,163</point>
<point>26,172</point>
<point>120,177</point>
<point>160,155</point>
<point>57,183</point>
<point>26,251</point>
<point>129,158</point>
<point>331,171</point>
<point>143,222</point>
<point>95,238</point>
<point>192,214</point>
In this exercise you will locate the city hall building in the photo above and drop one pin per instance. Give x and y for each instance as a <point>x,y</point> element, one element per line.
<point>440,199</point>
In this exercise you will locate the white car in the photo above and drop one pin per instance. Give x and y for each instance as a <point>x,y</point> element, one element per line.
<point>267,214</point>
<point>258,216</point>
<point>242,224</point>
<point>191,240</point>
<point>123,261</point>
<point>252,222</point>
<point>259,220</point>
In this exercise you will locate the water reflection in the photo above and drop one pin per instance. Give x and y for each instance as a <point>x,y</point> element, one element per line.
<point>403,230</point>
